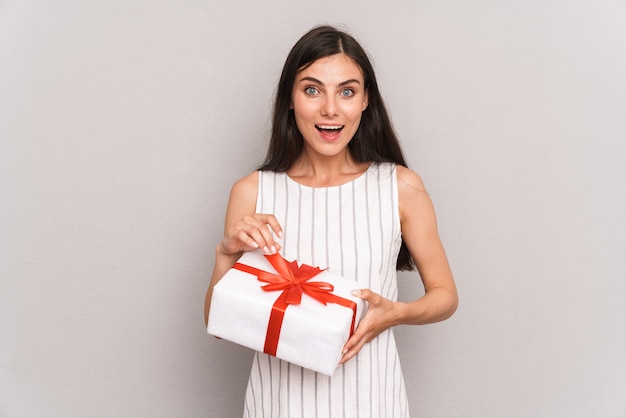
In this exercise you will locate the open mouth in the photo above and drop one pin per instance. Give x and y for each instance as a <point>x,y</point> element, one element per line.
<point>329,129</point>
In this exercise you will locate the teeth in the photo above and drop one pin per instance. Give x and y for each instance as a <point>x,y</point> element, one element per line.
<point>330,128</point>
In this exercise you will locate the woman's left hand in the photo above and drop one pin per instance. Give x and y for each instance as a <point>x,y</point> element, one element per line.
<point>381,314</point>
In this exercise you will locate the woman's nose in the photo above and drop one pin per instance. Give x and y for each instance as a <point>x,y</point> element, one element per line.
<point>329,107</point>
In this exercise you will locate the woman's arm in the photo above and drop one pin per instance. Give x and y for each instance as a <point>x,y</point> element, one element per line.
<point>419,231</point>
<point>244,230</point>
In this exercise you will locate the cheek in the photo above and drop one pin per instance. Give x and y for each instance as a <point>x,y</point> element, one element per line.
<point>303,118</point>
<point>357,122</point>
<point>304,109</point>
<point>353,112</point>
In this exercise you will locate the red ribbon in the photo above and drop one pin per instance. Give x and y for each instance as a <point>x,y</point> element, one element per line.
<point>293,281</point>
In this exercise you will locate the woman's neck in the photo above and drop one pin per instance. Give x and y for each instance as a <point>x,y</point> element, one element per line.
<point>325,171</point>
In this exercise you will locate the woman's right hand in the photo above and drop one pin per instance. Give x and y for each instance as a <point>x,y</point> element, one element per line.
<point>252,232</point>
<point>244,230</point>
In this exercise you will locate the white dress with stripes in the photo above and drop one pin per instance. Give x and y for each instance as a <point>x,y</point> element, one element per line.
<point>354,231</point>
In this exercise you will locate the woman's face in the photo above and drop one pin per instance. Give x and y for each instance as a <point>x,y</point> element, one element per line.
<point>328,98</point>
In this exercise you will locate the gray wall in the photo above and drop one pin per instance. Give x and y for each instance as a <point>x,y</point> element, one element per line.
<point>124,124</point>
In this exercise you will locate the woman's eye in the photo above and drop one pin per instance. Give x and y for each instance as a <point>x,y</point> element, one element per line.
<point>347,93</point>
<point>311,91</point>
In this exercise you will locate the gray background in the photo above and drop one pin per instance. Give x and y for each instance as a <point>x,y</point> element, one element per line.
<point>124,124</point>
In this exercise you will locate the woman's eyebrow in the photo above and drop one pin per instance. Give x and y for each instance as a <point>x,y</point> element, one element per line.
<point>345,83</point>
<point>342,84</point>
<point>312,80</point>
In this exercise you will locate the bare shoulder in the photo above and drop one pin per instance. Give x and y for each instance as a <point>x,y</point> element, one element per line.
<point>243,197</point>
<point>414,201</point>
<point>247,185</point>
<point>409,181</point>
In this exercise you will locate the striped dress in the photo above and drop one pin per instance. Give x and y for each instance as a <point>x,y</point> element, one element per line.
<point>354,231</point>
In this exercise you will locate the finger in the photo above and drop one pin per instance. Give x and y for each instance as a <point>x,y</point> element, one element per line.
<point>358,338</point>
<point>366,294</point>
<point>250,228</point>
<point>351,350</point>
<point>237,241</point>
<point>350,344</point>
<point>262,223</point>
<point>271,246</point>
<point>274,224</point>
<point>247,240</point>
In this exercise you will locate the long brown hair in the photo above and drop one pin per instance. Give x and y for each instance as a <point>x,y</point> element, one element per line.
<point>374,141</point>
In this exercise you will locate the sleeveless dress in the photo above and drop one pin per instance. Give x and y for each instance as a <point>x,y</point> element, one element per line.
<point>354,231</point>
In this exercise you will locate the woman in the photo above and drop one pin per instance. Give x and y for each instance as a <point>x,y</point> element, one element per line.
<point>334,192</point>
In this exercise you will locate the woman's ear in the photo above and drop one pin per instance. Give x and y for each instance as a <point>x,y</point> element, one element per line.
<point>365,101</point>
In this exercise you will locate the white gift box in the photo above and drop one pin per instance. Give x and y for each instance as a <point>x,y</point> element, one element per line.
<point>312,334</point>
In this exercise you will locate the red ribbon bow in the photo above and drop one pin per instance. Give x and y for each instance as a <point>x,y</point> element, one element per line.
<point>293,281</point>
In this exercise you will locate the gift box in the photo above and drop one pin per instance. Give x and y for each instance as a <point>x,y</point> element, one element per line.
<point>298,313</point>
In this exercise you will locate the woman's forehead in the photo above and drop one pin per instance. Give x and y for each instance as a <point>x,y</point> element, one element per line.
<point>333,67</point>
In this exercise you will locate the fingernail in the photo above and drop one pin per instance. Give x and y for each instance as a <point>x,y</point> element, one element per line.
<point>344,351</point>
<point>266,250</point>
<point>356,292</point>
<point>274,249</point>
<point>280,234</point>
